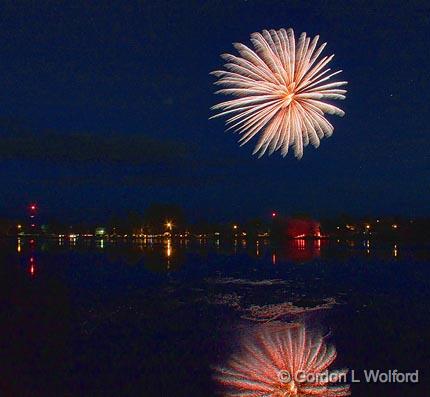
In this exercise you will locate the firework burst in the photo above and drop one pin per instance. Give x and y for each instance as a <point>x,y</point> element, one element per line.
<point>281,88</point>
<point>273,361</point>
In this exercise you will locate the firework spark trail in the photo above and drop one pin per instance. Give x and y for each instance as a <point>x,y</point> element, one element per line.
<point>281,91</point>
<point>274,348</point>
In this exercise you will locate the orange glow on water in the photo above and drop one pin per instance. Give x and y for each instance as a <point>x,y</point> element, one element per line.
<point>169,249</point>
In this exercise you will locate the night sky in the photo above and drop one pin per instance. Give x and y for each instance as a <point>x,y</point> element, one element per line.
<point>105,109</point>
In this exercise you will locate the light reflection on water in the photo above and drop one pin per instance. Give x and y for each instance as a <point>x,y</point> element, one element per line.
<point>272,359</point>
<point>368,296</point>
<point>32,266</point>
<point>169,254</point>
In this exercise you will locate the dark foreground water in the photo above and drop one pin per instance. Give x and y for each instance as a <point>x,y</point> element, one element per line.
<point>153,319</point>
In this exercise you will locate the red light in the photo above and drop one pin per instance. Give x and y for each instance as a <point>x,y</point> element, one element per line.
<point>273,214</point>
<point>32,268</point>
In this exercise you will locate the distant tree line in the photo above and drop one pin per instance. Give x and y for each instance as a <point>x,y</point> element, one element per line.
<point>159,218</point>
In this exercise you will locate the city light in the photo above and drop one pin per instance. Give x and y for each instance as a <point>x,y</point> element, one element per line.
<point>290,228</point>
<point>100,231</point>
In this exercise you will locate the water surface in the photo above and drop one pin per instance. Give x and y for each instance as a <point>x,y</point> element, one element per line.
<point>150,318</point>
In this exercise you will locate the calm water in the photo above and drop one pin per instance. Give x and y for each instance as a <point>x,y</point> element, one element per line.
<point>152,319</point>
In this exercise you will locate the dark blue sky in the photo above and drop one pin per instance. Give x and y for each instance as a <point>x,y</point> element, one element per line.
<point>105,108</point>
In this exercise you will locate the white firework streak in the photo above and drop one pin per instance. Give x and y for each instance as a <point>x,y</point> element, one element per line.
<point>280,88</point>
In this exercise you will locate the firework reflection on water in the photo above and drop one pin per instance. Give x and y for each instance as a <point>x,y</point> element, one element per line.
<point>279,359</point>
